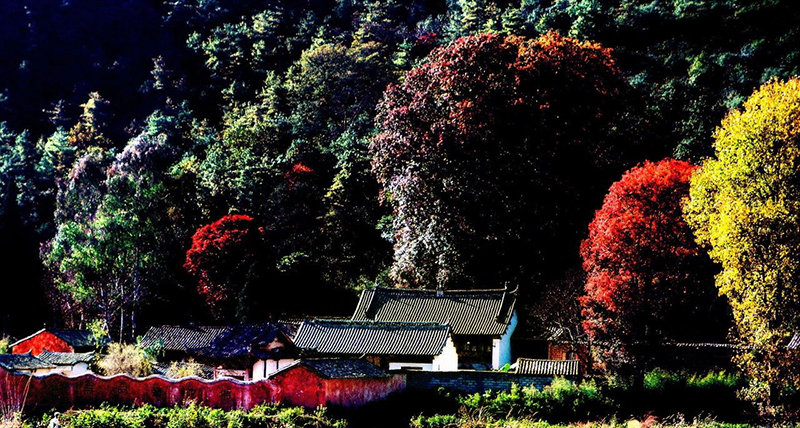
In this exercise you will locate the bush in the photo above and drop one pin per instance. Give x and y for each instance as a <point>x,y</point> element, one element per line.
<point>128,359</point>
<point>177,370</point>
<point>436,421</point>
<point>665,393</point>
<point>561,401</point>
<point>5,345</point>
<point>194,416</point>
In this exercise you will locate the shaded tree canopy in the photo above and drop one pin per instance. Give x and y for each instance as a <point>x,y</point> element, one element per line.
<point>493,152</point>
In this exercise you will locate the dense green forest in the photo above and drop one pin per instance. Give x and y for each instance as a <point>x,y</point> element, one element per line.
<point>198,160</point>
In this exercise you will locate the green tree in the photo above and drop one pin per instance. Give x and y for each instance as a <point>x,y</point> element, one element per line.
<point>121,228</point>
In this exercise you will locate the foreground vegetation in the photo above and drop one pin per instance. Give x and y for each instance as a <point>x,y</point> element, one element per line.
<point>665,399</point>
<point>673,398</point>
<point>192,416</point>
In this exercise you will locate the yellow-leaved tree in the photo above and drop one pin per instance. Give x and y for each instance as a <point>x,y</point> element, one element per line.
<point>745,206</point>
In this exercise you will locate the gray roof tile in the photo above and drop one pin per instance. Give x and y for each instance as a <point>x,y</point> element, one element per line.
<point>66,358</point>
<point>13,362</point>
<point>794,343</point>
<point>547,367</point>
<point>335,337</point>
<point>182,338</point>
<point>247,339</point>
<point>467,312</point>
<point>339,369</point>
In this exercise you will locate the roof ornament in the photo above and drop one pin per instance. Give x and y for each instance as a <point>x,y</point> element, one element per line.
<point>440,289</point>
<point>508,289</point>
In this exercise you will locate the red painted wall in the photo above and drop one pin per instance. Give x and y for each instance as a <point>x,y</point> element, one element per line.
<point>42,341</point>
<point>57,391</point>
<point>298,386</point>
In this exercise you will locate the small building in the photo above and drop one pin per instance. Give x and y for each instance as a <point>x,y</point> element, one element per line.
<point>481,321</point>
<point>390,345</point>
<point>244,351</point>
<point>333,382</point>
<point>56,340</point>
<point>68,363</point>
<point>24,364</point>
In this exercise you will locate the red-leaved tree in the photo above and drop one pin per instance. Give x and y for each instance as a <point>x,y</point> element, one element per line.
<point>648,282</point>
<point>222,258</point>
<point>490,152</point>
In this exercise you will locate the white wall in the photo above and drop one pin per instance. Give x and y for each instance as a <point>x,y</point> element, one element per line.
<point>448,360</point>
<point>78,369</point>
<point>420,366</point>
<point>501,348</point>
<point>271,367</point>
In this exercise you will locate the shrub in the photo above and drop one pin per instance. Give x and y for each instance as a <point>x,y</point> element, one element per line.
<point>665,393</point>
<point>128,359</point>
<point>12,401</point>
<point>181,369</point>
<point>562,400</point>
<point>5,345</point>
<point>194,416</point>
<point>436,421</point>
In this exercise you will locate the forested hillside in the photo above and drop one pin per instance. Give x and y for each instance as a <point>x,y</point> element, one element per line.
<point>197,160</point>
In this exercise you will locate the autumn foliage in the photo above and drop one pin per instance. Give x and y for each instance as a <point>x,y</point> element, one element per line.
<point>221,258</point>
<point>745,204</point>
<point>490,152</point>
<point>648,282</point>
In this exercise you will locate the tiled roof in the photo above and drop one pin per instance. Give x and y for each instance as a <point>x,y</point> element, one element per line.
<point>470,312</point>
<point>339,369</point>
<point>182,338</point>
<point>12,362</point>
<point>547,367</point>
<point>77,338</point>
<point>794,344</point>
<point>372,338</point>
<point>290,327</point>
<point>700,345</point>
<point>66,358</point>
<point>245,339</point>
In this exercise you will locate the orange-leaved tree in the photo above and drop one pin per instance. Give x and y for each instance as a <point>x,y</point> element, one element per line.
<point>648,282</point>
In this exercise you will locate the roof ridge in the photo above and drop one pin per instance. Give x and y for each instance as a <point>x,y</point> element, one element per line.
<point>445,291</point>
<point>190,326</point>
<point>379,323</point>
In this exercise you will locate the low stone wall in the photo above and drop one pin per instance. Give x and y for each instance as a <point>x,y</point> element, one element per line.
<point>473,381</point>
